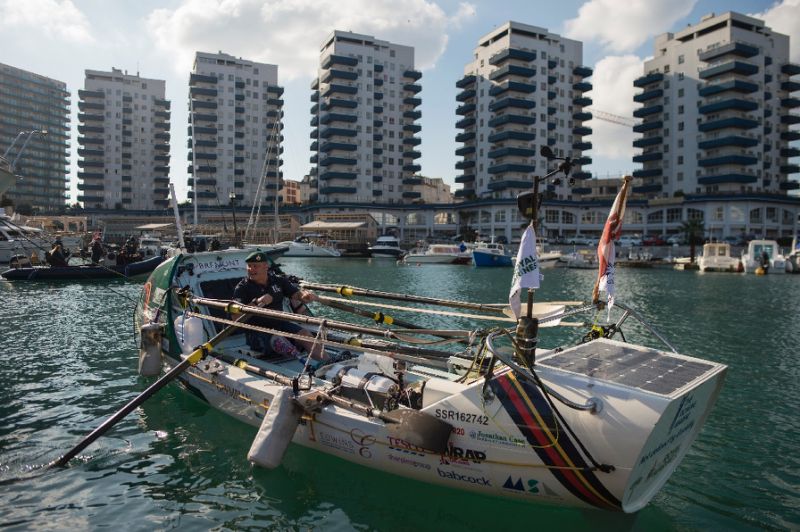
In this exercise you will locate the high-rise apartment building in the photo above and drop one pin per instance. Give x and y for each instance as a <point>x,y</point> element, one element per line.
<point>365,107</point>
<point>235,123</point>
<point>30,102</point>
<point>524,88</point>
<point>716,111</point>
<point>124,141</point>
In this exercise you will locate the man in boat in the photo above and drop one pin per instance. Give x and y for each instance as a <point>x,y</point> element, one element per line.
<point>97,250</point>
<point>57,256</point>
<point>263,287</point>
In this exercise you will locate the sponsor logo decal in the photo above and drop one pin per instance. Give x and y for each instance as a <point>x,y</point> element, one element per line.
<point>530,486</point>
<point>397,444</point>
<point>453,475</point>
<point>408,461</point>
<point>335,441</point>
<point>363,441</point>
<point>499,439</point>
<point>463,417</point>
<point>218,265</point>
<point>461,456</point>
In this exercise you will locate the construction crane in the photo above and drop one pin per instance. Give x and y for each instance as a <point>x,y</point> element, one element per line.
<point>615,119</point>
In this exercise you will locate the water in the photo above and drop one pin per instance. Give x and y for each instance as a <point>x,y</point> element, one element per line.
<point>69,361</point>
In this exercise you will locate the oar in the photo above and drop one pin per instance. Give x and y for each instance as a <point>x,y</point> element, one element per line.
<point>190,360</point>
<point>353,291</point>
<point>378,317</point>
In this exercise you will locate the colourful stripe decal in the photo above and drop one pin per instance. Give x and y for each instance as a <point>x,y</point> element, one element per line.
<point>535,419</point>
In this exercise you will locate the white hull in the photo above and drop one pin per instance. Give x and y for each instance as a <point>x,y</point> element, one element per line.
<point>299,249</point>
<point>505,438</point>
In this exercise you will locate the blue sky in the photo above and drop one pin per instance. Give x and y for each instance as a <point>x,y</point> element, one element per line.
<point>62,38</point>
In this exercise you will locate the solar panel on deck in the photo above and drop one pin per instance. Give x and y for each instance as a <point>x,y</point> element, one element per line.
<point>638,367</point>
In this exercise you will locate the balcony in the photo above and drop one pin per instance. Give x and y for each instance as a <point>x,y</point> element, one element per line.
<point>648,79</point>
<point>514,103</point>
<point>412,181</point>
<point>338,117</point>
<point>651,172</point>
<point>337,190</point>
<point>337,131</point>
<point>648,126</point>
<point>526,136</point>
<point>509,183</point>
<point>790,152</point>
<point>512,53</point>
<point>339,60</point>
<point>647,111</point>
<point>582,116</point>
<point>790,103</point>
<point>84,117</point>
<point>339,102</point>
<point>508,152</point>
<point>466,150</point>
<point>412,87</point>
<point>412,74</point>
<point>582,101</point>
<point>647,189</point>
<point>412,141</point>
<point>465,123</point>
<point>328,161</point>
<point>92,153</point>
<point>648,95</point>
<point>465,95</point>
<point>790,135</point>
<point>464,137</point>
<point>90,129</point>
<point>731,67</point>
<point>463,165</point>
<point>339,89</point>
<point>411,154</point>
<point>645,157</point>
<point>582,146</point>
<point>90,164</point>
<point>413,115</point>
<point>582,71</point>
<point>511,119</point>
<point>202,91</point>
<point>464,193</point>
<point>789,185</point>
<point>90,94</point>
<point>339,74</point>
<point>525,88</point>
<point>582,131</point>
<point>790,169</point>
<point>583,86</point>
<point>738,104</point>
<point>727,178</point>
<point>412,168</point>
<point>91,175</point>
<point>341,146</point>
<point>512,70</point>
<point>511,167</point>
<point>414,102</point>
<point>414,128</point>
<point>465,109</point>
<point>465,178</point>
<point>730,140</point>
<point>737,123</point>
<point>791,69</point>
<point>84,106</point>
<point>734,48</point>
<point>649,141</point>
<point>465,82</point>
<point>349,176</point>
<point>790,86</point>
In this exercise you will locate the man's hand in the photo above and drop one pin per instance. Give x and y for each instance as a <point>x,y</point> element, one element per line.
<point>264,300</point>
<point>307,296</point>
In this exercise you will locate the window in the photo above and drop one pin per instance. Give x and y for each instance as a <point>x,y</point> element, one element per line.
<point>680,93</point>
<point>680,109</point>
<point>674,215</point>
<point>680,59</point>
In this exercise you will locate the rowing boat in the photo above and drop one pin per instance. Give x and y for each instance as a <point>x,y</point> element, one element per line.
<point>599,424</point>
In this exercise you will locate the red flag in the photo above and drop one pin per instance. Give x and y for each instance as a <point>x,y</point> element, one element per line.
<point>605,249</point>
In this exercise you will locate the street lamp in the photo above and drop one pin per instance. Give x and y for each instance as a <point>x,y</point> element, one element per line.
<point>232,197</point>
<point>30,134</point>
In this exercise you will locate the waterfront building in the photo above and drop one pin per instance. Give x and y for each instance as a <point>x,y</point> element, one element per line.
<point>124,141</point>
<point>524,88</point>
<point>435,190</point>
<point>716,110</point>
<point>290,192</point>
<point>364,114</point>
<point>31,102</point>
<point>235,131</point>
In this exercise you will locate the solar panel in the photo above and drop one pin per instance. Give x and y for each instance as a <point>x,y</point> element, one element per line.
<point>639,367</point>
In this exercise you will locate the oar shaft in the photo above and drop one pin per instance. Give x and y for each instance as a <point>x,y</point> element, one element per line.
<point>127,409</point>
<point>349,290</point>
<point>360,312</point>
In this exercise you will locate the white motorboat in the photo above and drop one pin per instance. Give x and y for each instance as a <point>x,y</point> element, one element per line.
<point>547,259</point>
<point>20,240</point>
<point>584,259</point>
<point>439,254</point>
<point>600,424</point>
<point>386,246</point>
<point>717,258</point>
<point>763,256</point>
<point>309,246</point>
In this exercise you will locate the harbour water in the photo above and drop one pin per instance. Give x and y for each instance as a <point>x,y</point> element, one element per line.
<point>69,361</point>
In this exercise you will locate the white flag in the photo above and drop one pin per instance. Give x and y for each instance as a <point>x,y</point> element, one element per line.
<point>526,269</point>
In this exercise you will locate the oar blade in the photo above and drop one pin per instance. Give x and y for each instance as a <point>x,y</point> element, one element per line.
<point>419,429</point>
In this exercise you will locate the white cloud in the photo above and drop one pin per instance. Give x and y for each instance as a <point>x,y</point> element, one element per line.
<point>623,26</point>
<point>289,33</point>
<point>58,19</point>
<point>613,92</point>
<point>784,17</point>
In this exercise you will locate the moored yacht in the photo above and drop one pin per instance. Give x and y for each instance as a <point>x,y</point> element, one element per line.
<point>386,246</point>
<point>717,258</point>
<point>764,255</point>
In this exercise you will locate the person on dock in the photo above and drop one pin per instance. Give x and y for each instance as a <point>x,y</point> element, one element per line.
<point>263,287</point>
<point>97,250</point>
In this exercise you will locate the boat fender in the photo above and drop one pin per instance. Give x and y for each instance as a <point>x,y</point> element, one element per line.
<point>276,430</point>
<point>189,332</point>
<point>150,350</point>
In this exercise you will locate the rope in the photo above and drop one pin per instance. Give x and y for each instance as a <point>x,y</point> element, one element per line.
<point>421,310</point>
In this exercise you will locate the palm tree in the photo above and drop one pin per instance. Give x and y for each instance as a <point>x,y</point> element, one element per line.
<point>694,231</point>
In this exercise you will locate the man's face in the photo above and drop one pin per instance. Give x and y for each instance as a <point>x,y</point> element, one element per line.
<point>257,271</point>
